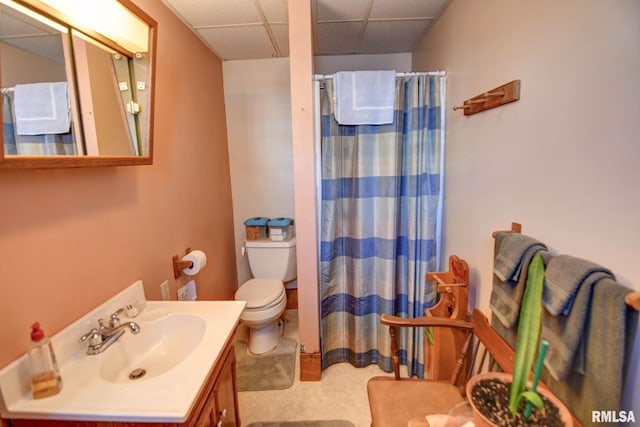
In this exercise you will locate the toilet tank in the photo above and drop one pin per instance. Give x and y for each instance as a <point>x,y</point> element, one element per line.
<point>272,260</point>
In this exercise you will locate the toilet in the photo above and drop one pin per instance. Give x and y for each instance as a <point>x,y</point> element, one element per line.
<point>272,263</point>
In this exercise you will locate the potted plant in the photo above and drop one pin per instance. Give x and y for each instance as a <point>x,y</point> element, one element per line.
<point>500,399</point>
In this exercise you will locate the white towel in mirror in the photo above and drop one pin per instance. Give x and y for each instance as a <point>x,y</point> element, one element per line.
<point>42,108</point>
<point>364,97</point>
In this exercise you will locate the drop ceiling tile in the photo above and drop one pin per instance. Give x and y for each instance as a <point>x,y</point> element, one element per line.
<point>281,34</point>
<point>200,13</point>
<point>338,38</point>
<point>384,9</point>
<point>275,10</point>
<point>392,36</point>
<point>337,27</point>
<point>341,10</point>
<point>250,42</point>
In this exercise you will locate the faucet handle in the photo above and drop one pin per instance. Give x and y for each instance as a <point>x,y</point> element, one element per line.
<point>93,336</point>
<point>115,320</point>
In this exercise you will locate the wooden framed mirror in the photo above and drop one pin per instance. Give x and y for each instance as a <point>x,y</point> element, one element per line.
<point>76,94</point>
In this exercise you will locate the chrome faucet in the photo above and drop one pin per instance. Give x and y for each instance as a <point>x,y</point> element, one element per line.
<point>102,337</point>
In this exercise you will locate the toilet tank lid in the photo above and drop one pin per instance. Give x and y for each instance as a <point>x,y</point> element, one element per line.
<point>260,292</point>
<point>270,243</point>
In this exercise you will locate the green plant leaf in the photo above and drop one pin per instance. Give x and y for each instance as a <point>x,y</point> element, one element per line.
<point>429,333</point>
<point>528,331</point>
<point>534,398</point>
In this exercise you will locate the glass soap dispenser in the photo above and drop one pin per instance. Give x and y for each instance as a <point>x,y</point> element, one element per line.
<point>45,374</point>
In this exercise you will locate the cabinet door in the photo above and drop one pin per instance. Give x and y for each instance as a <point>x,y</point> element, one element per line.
<point>208,416</point>
<point>225,395</point>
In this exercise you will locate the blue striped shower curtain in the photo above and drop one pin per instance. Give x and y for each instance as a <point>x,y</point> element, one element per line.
<point>380,220</point>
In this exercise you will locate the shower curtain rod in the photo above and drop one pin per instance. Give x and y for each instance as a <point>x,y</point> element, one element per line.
<point>429,73</point>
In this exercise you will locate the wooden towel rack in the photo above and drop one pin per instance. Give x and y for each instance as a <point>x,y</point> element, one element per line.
<point>632,299</point>
<point>508,92</point>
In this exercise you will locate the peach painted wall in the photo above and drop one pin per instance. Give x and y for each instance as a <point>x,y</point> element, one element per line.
<point>302,125</point>
<point>69,239</point>
<point>565,159</point>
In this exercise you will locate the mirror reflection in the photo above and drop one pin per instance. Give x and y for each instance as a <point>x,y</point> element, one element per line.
<point>37,116</point>
<point>107,99</point>
<point>67,94</point>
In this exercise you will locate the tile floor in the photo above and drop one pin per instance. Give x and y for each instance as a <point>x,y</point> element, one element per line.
<point>341,394</point>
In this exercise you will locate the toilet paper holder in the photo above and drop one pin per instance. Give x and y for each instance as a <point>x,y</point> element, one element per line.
<point>179,265</point>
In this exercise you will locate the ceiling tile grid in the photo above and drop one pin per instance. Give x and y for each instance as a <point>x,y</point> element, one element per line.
<point>208,13</point>
<point>337,38</point>
<point>341,10</point>
<point>253,29</point>
<point>30,35</point>
<point>275,11</point>
<point>405,9</point>
<point>392,36</point>
<point>247,42</point>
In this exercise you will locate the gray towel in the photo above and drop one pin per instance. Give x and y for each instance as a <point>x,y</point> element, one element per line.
<point>512,250</point>
<point>513,253</point>
<point>565,332</point>
<point>608,334</point>
<point>562,280</point>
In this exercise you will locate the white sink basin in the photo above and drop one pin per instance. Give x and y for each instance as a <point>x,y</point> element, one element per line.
<point>159,346</point>
<point>178,344</point>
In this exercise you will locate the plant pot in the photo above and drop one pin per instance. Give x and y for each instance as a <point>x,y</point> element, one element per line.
<point>481,420</point>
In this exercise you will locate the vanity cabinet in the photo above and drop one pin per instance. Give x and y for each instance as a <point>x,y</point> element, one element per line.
<point>216,406</point>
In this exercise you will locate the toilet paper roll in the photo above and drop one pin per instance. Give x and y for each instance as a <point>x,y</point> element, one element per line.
<point>198,260</point>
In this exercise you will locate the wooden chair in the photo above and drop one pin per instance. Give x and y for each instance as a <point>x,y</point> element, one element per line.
<point>402,402</point>
<point>441,350</point>
<point>453,285</point>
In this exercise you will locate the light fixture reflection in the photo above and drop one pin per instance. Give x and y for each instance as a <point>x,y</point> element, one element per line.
<point>109,18</point>
<point>28,12</point>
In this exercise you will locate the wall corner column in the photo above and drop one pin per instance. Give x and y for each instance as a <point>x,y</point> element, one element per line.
<point>302,132</point>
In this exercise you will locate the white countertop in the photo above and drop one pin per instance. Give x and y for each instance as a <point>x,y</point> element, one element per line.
<point>86,396</point>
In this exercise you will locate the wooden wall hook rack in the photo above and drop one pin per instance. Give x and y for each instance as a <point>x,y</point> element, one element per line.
<point>496,97</point>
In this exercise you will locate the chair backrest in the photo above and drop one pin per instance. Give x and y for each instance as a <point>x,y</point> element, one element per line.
<point>444,344</point>
<point>488,351</point>
<point>453,285</point>
<point>483,350</point>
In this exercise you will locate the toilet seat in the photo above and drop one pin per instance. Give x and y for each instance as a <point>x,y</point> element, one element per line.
<point>261,294</point>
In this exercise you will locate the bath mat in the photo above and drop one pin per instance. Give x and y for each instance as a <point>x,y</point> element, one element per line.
<point>319,423</point>
<point>272,371</point>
